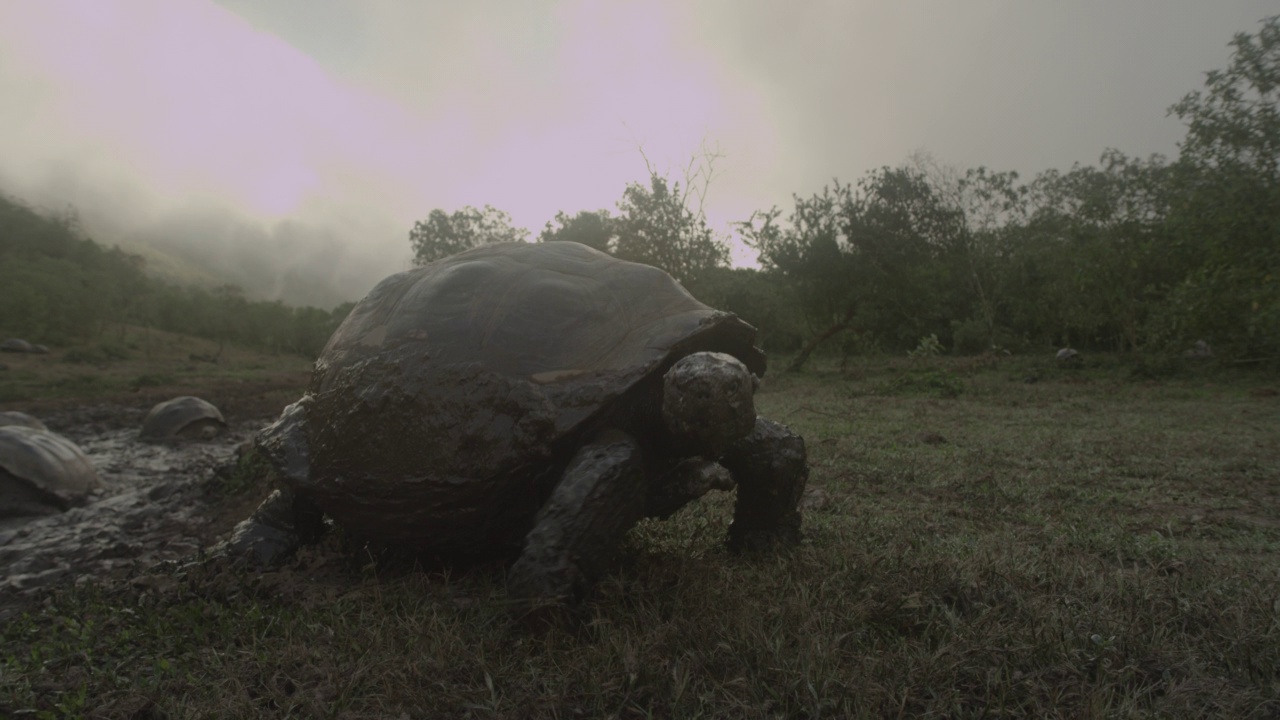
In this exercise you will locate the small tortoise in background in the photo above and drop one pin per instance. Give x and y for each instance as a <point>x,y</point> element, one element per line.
<point>532,400</point>
<point>182,418</point>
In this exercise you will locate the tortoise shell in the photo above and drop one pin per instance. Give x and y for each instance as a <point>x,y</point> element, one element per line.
<point>42,472</point>
<point>182,417</point>
<point>443,409</point>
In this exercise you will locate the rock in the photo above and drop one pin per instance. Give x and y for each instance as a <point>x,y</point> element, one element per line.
<point>1068,357</point>
<point>814,498</point>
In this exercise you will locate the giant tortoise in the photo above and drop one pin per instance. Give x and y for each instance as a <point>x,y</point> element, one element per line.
<point>13,417</point>
<point>41,472</point>
<point>533,400</point>
<point>185,417</point>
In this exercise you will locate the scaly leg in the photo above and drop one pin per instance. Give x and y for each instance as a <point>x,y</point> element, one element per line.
<point>770,468</point>
<point>579,528</point>
<point>275,530</point>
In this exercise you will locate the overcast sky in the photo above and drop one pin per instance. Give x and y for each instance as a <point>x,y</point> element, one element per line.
<point>321,129</point>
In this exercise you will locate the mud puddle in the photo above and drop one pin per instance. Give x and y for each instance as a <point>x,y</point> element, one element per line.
<point>155,505</point>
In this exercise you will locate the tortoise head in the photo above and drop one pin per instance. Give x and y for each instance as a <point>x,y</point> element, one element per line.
<point>708,401</point>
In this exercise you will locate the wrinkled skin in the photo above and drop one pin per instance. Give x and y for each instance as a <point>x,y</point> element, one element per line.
<point>601,495</point>
<point>708,401</point>
<point>770,467</point>
<point>605,492</point>
<point>532,401</point>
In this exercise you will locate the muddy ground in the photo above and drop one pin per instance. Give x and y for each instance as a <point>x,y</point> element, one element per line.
<point>159,502</point>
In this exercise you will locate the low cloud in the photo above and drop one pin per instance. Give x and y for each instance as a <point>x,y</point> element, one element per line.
<point>289,146</point>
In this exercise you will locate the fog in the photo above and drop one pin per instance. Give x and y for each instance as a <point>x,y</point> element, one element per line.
<point>289,145</point>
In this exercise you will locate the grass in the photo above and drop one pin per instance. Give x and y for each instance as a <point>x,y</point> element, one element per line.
<point>133,363</point>
<point>1086,545</point>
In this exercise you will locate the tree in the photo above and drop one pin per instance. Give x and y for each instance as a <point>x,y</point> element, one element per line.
<point>994,205</point>
<point>655,226</point>
<point>876,257</point>
<point>1226,207</point>
<point>1091,259</point>
<point>763,299</point>
<point>1235,123</point>
<point>593,229</point>
<point>442,234</point>
<point>809,255</point>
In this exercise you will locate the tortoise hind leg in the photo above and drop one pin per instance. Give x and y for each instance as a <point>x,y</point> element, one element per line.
<point>282,523</point>
<point>770,469</point>
<point>285,519</point>
<point>579,528</point>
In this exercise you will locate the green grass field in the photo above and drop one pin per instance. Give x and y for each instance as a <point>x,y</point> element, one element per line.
<point>137,366</point>
<point>1087,545</point>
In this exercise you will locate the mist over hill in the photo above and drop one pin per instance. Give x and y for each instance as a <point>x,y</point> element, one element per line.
<point>301,261</point>
<point>61,286</point>
<point>294,261</point>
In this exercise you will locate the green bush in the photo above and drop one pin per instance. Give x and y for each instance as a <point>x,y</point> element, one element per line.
<point>927,347</point>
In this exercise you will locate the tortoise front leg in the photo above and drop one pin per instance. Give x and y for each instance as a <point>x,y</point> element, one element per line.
<point>690,479</point>
<point>579,528</point>
<point>770,468</point>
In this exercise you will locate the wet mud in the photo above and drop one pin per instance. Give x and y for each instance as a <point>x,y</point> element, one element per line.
<point>158,502</point>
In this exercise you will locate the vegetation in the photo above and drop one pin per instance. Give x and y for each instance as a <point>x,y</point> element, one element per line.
<point>137,365</point>
<point>443,234</point>
<point>62,288</point>
<point>593,229</point>
<point>1135,255</point>
<point>879,258</point>
<point>655,226</point>
<point>1143,256</point>
<point>978,546</point>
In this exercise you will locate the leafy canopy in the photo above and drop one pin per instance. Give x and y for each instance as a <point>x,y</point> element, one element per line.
<point>443,234</point>
<point>593,229</point>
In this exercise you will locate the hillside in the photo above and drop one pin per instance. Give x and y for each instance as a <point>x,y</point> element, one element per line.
<point>172,268</point>
<point>62,288</point>
<point>138,367</point>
